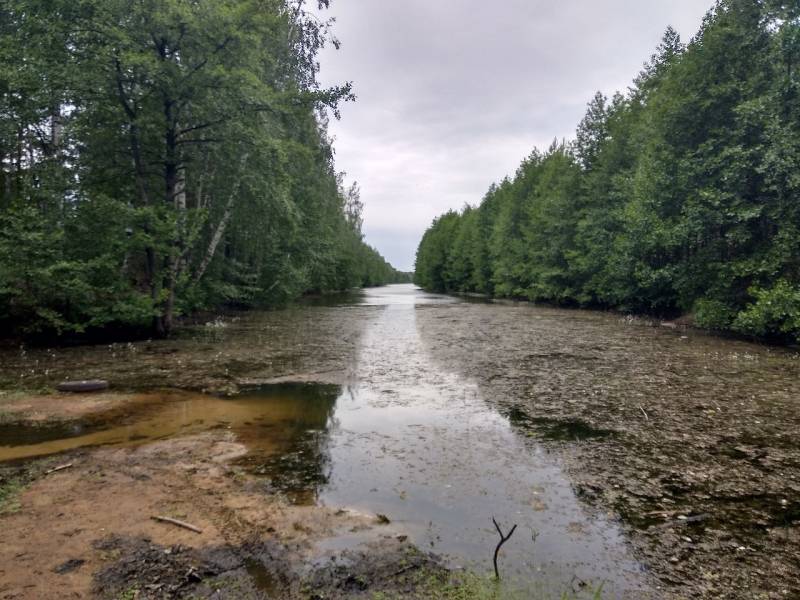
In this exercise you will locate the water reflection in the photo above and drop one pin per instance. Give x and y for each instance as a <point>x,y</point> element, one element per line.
<point>301,428</point>
<point>418,443</point>
<point>407,438</point>
<point>285,428</point>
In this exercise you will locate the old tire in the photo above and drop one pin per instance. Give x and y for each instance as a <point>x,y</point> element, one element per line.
<point>93,385</point>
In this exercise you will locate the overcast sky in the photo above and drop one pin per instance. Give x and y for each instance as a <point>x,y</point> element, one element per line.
<point>452,94</point>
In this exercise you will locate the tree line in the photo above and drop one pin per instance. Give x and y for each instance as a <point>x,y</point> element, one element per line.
<point>158,157</point>
<point>679,196</point>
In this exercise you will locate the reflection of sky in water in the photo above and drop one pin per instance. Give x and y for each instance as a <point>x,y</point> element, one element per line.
<point>420,446</point>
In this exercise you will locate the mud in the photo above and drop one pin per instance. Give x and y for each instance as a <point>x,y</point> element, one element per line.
<point>304,343</point>
<point>88,532</point>
<point>698,455</point>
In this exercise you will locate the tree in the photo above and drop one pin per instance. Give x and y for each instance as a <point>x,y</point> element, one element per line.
<point>201,127</point>
<point>676,197</point>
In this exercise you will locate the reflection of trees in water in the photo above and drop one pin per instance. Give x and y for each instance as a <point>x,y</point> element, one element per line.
<point>295,453</point>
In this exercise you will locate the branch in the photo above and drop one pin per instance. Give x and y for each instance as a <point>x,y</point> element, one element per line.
<point>202,126</point>
<point>198,141</point>
<point>503,540</point>
<point>121,91</point>
<point>178,523</point>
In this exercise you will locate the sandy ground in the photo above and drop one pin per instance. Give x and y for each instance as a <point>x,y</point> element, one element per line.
<point>88,530</point>
<point>41,408</point>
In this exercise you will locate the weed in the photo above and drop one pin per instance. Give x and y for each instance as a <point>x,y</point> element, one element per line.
<point>10,489</point>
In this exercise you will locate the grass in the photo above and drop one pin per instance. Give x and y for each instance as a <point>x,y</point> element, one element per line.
<point>14,481</point>
<point>10,489</point>
<point>470,586</point>
<point>129,594</point>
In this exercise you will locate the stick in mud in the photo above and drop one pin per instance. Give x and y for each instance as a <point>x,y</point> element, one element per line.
<point>188,526</point>
<point>503,540</point>
<point>56,469</point>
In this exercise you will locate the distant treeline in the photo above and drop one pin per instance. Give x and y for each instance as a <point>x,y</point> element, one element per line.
<point>681,196</point>
<point>163,156</point>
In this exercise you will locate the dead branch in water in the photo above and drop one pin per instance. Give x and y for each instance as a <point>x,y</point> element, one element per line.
<point>503,540</point>
<point>56,469</point>
<point>188,526</point>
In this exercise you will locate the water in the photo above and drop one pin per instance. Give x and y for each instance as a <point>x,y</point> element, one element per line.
<point>421,445</point>
<point>401,437</point>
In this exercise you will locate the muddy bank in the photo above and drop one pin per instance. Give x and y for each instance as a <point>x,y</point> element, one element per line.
<point>308,343</point>
<point>52,408</point>
<point>87,531</point>
<point>690,439</point>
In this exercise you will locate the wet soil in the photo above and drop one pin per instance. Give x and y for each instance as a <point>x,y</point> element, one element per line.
<point>88,531</point>
<point>304,343</point>
<point>690,439</point>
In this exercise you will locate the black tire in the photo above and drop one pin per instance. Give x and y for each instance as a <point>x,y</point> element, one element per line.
<point>94,385</point>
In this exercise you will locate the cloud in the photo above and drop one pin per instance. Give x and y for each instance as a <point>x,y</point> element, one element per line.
<point>452,94</point>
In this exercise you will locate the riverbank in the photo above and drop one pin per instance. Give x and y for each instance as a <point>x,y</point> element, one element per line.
<point>88,530</point>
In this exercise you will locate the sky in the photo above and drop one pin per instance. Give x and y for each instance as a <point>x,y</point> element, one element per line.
<point>453,94</point>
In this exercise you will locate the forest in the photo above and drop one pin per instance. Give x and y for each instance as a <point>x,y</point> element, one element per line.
<point>676,197</point>
<point>161,157</point>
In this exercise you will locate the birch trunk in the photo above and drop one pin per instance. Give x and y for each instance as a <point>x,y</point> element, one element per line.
<point>219,232</point>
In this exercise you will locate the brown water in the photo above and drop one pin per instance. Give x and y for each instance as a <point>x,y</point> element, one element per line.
<point>270,422</point>
<point>412,424</point>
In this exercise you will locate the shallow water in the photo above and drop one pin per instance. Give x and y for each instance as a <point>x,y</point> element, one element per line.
<point>422,446</point>
<point>271,421</point>
<point>403,438</point>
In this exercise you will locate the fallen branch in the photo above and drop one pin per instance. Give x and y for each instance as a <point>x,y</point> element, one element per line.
<point>503,540</point>
<point>56,469</point>
<point>188,526</point>
<point>646,418</point>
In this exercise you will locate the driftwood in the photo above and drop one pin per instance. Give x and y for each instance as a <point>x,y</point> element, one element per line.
<point>172,521</point>
<point>60,468</point>
<point>503,540</point>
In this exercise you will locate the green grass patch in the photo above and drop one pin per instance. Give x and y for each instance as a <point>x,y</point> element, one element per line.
<point>471,586</point>
<point>10,490</point>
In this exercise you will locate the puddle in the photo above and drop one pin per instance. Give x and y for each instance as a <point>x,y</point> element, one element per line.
<point>263,579</point>
<point>566,430</point>
<point>281,420</point>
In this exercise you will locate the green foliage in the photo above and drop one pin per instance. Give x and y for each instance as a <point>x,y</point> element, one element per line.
<point>775,311</point>
<point>158,157</point>
<point>713,314</point>
<point>47,286</point>
<point>10,490</point>
<point>679,196</point>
